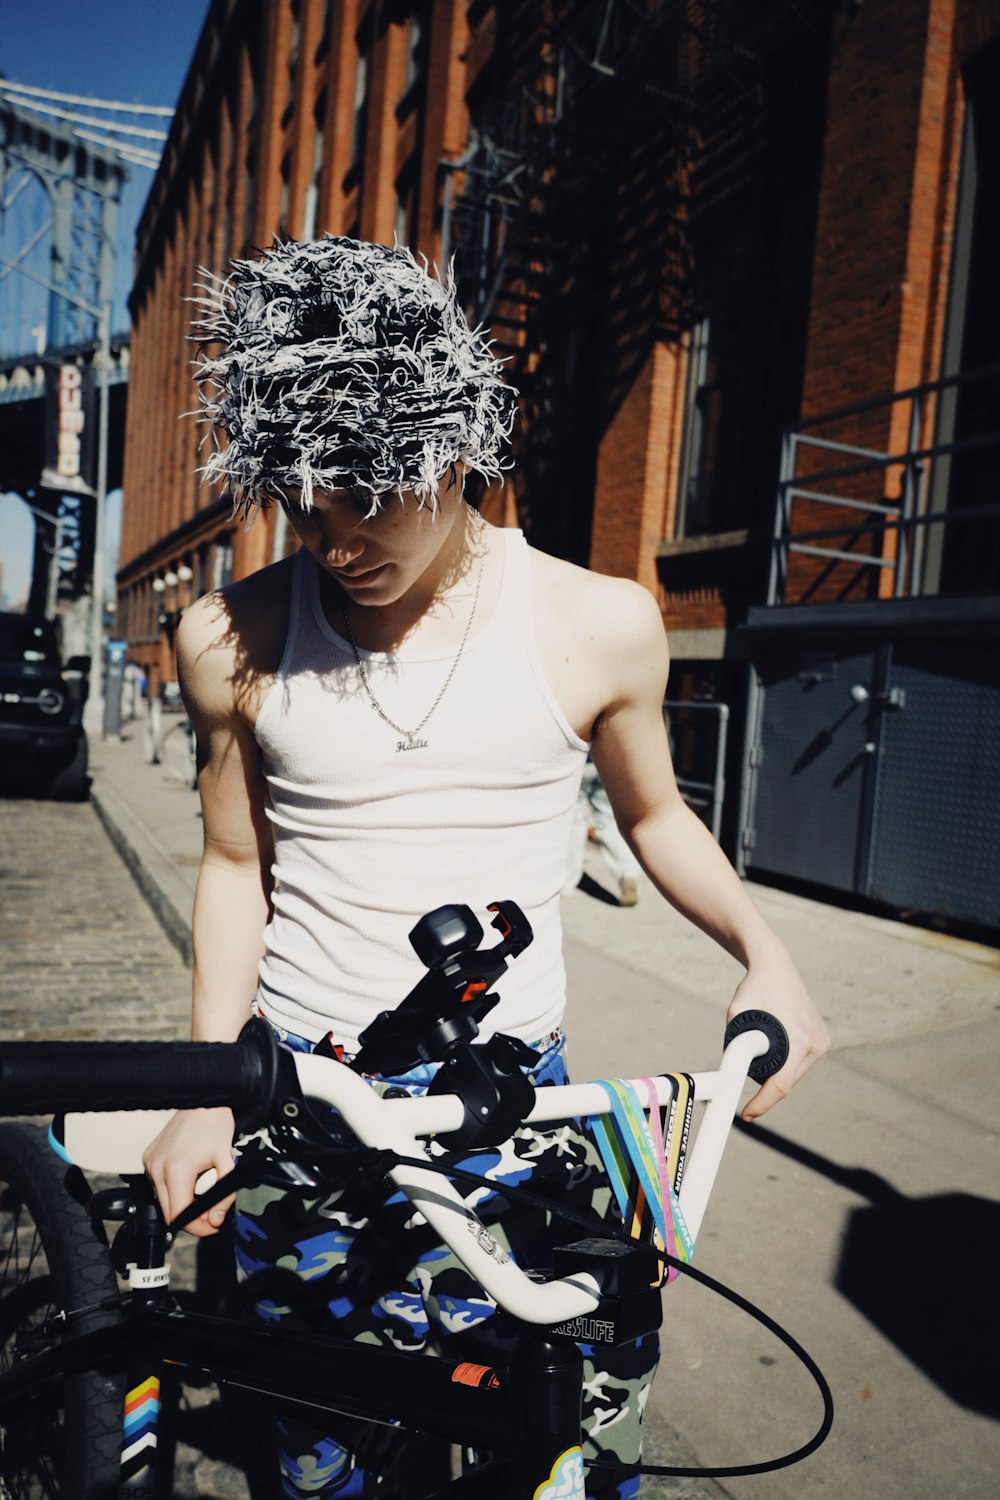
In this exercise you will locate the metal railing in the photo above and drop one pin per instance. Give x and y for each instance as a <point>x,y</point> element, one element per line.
<point>704,797</point>
<point>895,532</point>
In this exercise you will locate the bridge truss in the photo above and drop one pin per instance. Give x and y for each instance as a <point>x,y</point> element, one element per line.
<point>59,198</point>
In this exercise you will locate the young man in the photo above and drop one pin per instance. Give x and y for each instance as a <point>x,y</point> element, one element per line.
<point>395,718</point>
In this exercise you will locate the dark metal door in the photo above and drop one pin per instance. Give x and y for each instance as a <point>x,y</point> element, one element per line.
<point>812,766</point>
<point>875,772</point>
<point>936,815</point>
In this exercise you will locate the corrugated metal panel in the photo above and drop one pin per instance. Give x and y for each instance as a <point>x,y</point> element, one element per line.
<point>936,844</point>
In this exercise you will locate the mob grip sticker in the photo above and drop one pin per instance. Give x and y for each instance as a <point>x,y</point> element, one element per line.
<point>565,1480</point>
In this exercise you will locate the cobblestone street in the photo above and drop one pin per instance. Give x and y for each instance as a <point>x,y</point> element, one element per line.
<point>84,958</point>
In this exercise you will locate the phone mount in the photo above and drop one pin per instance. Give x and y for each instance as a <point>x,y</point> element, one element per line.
<point>438,1022</point>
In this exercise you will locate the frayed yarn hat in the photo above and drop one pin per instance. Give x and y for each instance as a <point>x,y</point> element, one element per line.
<point>336,364</point>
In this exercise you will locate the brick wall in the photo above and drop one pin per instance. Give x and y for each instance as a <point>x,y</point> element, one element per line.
<point>883,250</point>
<point>242,157</point>
<point>240,164</point>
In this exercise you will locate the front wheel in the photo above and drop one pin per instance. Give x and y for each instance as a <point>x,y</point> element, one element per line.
<point>66,1440</point>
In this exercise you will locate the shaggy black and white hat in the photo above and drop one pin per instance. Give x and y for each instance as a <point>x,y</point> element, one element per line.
<point>336,364</point>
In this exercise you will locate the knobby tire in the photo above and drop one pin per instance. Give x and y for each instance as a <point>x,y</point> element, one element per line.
<point>66,1441</point>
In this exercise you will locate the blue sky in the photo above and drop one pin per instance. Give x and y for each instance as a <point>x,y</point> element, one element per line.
<point>137,51</point>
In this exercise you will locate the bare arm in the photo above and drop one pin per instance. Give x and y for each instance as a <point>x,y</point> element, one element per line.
<point>632,756</point>
<point>231,902</point>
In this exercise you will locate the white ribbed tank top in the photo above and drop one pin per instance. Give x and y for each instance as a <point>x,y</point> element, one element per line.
<point>367,839</point>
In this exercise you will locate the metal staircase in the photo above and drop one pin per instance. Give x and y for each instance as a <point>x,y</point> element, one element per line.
<point>589,86</point>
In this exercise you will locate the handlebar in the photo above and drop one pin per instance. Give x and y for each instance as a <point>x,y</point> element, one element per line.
<point>40,1077</point>
<point>765,1063</point>
<point>49,1077</point>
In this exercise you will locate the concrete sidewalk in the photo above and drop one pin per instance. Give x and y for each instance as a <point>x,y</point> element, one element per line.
<point>861,1214</point>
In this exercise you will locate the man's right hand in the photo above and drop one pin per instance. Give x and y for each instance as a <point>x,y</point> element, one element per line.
<point>193,1142</point>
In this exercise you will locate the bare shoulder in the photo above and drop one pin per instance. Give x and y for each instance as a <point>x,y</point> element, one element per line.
<point>618,614</point>
<point>601,639</point>
<point>230,641</point>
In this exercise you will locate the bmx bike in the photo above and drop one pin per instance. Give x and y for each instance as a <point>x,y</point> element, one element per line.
<point>86,1324</point>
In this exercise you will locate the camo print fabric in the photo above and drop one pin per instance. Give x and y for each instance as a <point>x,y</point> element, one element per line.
<point>360,1264</point>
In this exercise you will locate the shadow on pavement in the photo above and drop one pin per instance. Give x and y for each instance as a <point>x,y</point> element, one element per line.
<point>921,1270</point>
<point>591,887</point>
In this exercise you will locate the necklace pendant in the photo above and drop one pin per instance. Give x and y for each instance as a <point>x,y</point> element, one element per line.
<point>411,743</point>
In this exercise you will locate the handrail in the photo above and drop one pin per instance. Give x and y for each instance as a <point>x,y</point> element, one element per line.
<point>895,460</point>
<point>898,522</point>
<point>717,786</point>
<point>908,519</point>
<point>928,387</point>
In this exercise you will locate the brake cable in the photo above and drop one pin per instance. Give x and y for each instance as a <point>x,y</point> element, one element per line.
<point>612,1231</point>
<point>385,1159</point>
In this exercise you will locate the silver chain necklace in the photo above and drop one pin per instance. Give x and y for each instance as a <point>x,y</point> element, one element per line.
<point>411,737</point>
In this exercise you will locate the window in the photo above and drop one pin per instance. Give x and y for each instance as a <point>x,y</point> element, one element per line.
<point>286,178</point>
<point>310,207</point>
<point>403,223</point>
<point>222,562</point>
<point>293,55</point>
<point>231,170</point>
<point>746,356</point>
<point>249,65</point>
<point>249,172</point>
<point>706,392</point>
<point>964,557</point>
<point>692,489</point>
<point>285,540</point>
<point>416,37</point>
<point>324,40</point>
<point>360,120</point>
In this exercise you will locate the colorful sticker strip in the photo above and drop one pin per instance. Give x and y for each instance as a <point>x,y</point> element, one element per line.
<point>644,1159</point>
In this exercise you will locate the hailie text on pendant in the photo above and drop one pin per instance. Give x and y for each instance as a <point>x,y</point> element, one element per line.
<point>411,743</point>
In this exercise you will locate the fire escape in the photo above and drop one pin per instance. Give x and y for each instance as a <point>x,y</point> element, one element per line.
<point>610,112</point>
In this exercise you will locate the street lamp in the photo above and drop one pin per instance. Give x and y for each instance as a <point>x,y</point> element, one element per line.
<point>171,588</point>
<point>95,703</point>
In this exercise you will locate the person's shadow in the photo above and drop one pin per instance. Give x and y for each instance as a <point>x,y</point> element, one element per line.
<point>922,1271</point>
<point>592,887</point>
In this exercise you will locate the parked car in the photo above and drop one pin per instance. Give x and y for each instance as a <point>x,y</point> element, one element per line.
<point>42,742</point>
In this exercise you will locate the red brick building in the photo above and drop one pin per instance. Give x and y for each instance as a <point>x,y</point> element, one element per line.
<point>700,230</point>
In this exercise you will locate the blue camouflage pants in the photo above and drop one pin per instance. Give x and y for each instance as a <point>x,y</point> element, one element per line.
<point>359,1264</point>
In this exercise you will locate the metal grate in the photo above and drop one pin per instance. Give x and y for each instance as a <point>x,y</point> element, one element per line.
<point>937,813</point>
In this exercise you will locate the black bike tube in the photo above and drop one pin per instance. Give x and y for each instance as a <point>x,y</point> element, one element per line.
<point>462,1403</point>
<point>547,1382</point>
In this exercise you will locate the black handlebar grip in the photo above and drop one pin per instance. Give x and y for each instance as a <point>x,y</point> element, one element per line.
<point>776,1055</point>
<point>41,1078</point>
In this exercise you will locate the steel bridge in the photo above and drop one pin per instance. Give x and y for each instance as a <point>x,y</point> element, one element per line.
<point>59,198</point>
